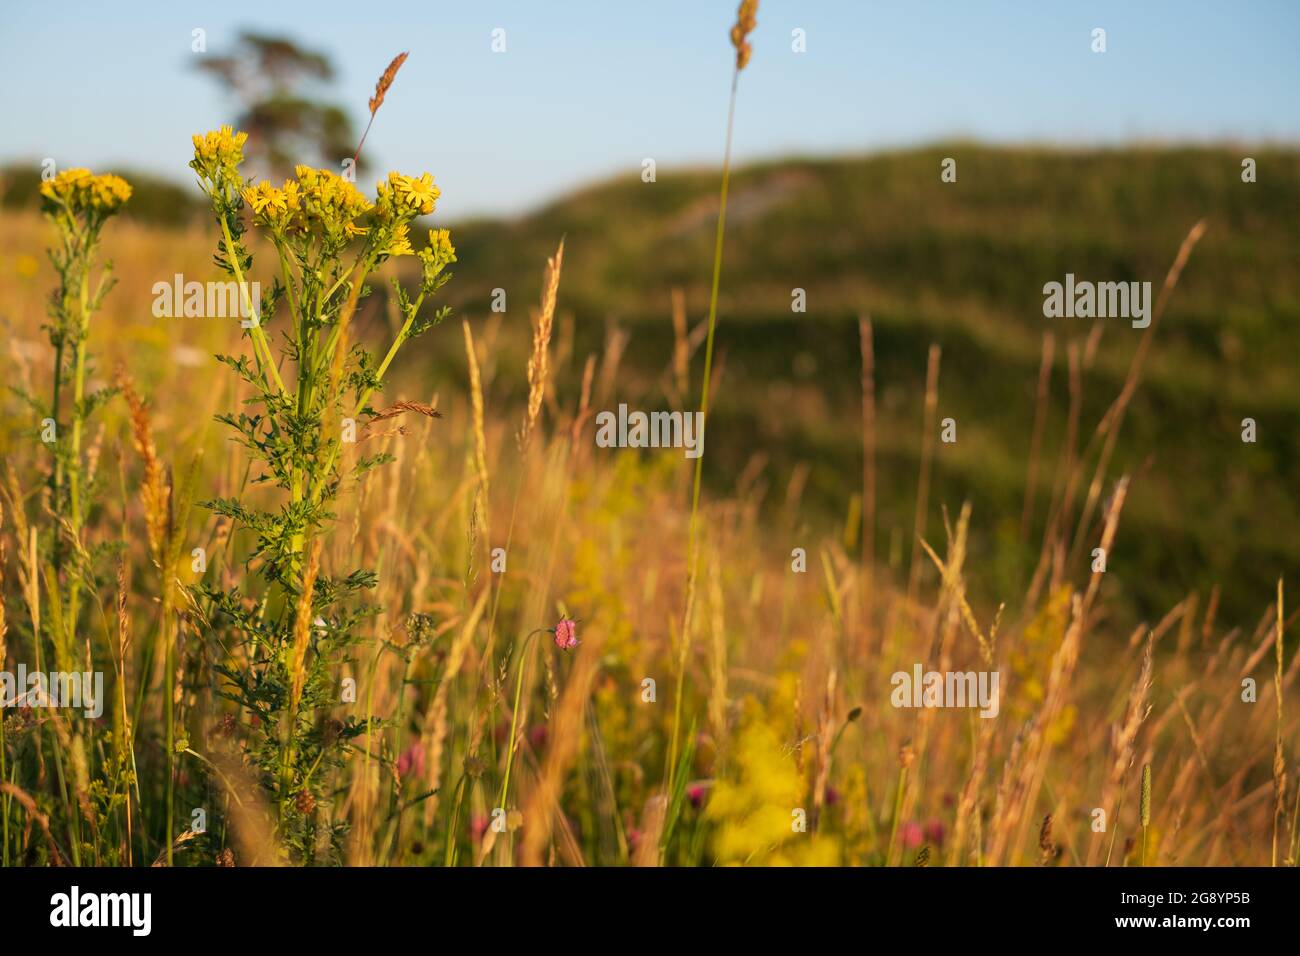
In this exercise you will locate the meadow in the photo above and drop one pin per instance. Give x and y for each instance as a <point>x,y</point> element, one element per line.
<point>365,590</point>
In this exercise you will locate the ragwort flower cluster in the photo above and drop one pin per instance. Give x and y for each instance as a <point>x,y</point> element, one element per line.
<point>313,387</point>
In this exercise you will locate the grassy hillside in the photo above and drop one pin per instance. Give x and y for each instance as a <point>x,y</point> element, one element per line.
<point>963,265</point>
<point>754,681</point>
<point>960,265</point>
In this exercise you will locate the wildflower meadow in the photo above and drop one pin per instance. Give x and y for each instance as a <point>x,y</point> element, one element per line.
<point>313,556</point>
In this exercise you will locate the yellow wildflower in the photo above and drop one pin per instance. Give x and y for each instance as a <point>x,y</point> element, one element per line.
<point>330,200</point>
<point>260,196</point>
<point>218,151</point>
<point>400,244</point>
<point>108,192</point>
<point>437,254</point>
<point>63,187</point>
<point>80,191</point>
<point>291,195</point>
<point>761,805</point>
<point>414,194</point>
<point>440,243</point>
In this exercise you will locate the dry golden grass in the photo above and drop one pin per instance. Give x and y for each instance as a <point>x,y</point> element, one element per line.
<point>786,697</point>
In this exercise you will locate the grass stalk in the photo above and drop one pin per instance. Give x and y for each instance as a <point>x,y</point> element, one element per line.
<point>692,553</point>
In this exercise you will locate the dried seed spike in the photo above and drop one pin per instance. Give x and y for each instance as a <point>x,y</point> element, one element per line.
<point>303,623</point>
<point>123,622</point>
<point>386,81</point>
<point>155,491</point>
<point>1145,808</point>
<point>1049,851</point>
<point>482,496</point>
<point>539,360</point>
<point>397,408</point>
<point>746,20</point>
<point>376,101</point>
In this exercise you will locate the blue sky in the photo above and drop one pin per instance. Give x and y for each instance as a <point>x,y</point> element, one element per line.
<point>588,88</point>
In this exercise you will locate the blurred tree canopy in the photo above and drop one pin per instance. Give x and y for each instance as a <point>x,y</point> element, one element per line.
<point>272,77</point>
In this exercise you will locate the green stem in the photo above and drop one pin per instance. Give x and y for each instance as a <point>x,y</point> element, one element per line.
<point>259,337</point>
<point>169,659</point>
<point>71,239</point>
<point>514,715</point>
<point>713,301</point>
<point>692,550</point>
<point>449,855</point>
<point>318,486</point>
<point>898,810</point>
<point>489,652</point>
<point>78,395</point>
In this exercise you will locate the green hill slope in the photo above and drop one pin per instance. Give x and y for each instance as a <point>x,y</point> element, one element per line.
<point>963,265</point>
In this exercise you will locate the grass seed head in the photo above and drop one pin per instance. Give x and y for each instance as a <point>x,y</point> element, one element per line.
<point>386,81</point>
<point>746,21</point>
<point>1146,795</point>
<point>539,359</point>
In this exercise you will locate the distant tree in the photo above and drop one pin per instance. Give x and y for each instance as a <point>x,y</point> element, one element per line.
<point>270,75</point>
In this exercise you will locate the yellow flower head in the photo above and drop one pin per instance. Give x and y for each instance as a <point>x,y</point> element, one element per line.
<point>66,185</point>
<point>80,191</point>
<point>440,239</point>
<point>292,196</point>
<point>410,195</point>
<point>330,201</point>
<point>218,151</point>
<point>400,244</point>
<point>438,254</point>
<point>269,204</point>
<point>258,196</point>
<point>108,192</point>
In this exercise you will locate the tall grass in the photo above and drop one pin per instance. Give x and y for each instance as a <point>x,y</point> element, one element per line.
<point>745,23</point>
<point>346,674</point>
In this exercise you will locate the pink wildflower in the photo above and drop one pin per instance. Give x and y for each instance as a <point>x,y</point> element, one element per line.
<point>566,634</point>
<point>411,762</point>
<point>910,834</point>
